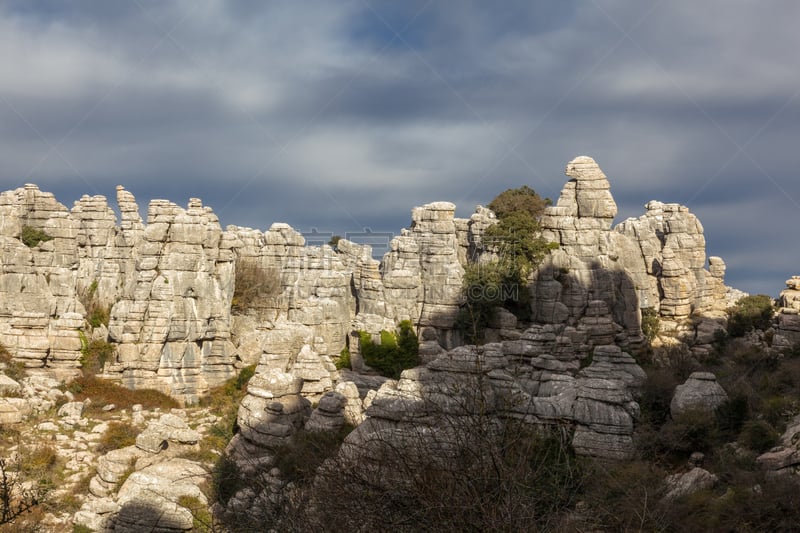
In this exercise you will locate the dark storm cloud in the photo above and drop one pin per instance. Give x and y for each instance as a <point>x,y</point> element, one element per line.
<point>319,114</point>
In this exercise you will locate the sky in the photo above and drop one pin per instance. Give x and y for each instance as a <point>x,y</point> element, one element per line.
<point>340,116</point>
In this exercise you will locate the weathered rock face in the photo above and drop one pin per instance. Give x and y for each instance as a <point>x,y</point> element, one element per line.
<point>172,322</point>
<point>655,261</point>
<point>170,284</point>
<point>446,393</point>
<point>270,414</point>
<point>785,458</point>
<point>695,480</point>
<point>701,391</point>
<point>787,332</point>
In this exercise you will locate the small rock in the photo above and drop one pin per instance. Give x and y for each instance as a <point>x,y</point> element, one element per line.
<point>688,483</point>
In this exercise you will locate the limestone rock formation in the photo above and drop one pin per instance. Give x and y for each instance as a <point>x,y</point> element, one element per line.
<point>172,324</point>
<point>446,393</point>
<point>699,391</point>
<point>656,261</point>
<point>784,459</point>
<point>171,285</point>
<point>687,483</point>
<point>270,414</point>
<point>787,330</point>
<point>149,498</point>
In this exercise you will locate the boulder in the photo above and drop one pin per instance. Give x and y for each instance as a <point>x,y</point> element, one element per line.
<point>695,480</point>
<point>700,391</point>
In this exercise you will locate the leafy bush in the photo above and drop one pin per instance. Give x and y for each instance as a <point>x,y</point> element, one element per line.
<point>118,435</point>
<point>749,313</point>
<point>344,359</point>
<point>253,283</point>
<point>31,236</point>
<point>651,323</point>
<point>732,413</point>
<point>396,352</point>
<point>94,355</point>
<point>522,199</point>
<point>517,241</point>
<point>244,376</point>
<point>758,436</point>
<point>690,431</point>
<point>656,396</point>
<point>227,479</point>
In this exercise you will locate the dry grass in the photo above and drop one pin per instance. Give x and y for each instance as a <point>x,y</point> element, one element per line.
<point>254,282</point>
<point>103,392</point>
<point>13,369</point>
<point>118,435</point>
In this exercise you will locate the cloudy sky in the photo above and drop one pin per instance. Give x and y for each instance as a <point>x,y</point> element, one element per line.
<point>341,115</point>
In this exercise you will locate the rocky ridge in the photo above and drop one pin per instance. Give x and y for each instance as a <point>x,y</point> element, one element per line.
<point>170,282</point>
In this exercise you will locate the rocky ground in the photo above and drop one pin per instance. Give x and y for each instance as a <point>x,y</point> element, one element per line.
<point>96,465</point>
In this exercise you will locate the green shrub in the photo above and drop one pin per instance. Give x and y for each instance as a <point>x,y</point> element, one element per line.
<point>118,435</point>
<point>227,479</point>
<point>244,376</point>
<point>760,504</point>
<point>506,477</point>
<point>516,240</point>
<point>396,352</point>
<point>39,461</point>
<point>31,236</point>
<point>651,323</point>
<point>224,401</point>
<point>522,199</point>
<point>721,341</point>
<point>96,313</point>
<point>202,521</point>
<point>344,359</point>
<point>690,431</point>
<point>94,355</point>
<point>749,313</point>
<point>758,436</point>
<point>732,413</point>
<point>656,396</point>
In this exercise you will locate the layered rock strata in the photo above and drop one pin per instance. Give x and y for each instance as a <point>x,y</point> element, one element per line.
<point>170,283</point>
<point>448,393</point>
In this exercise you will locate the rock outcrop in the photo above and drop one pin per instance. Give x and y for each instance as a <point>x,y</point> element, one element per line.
<point>787,330</point>
<point>176,326</point>
<point>700,391</point>
<point>785,458</point>
<point>597,401</point>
